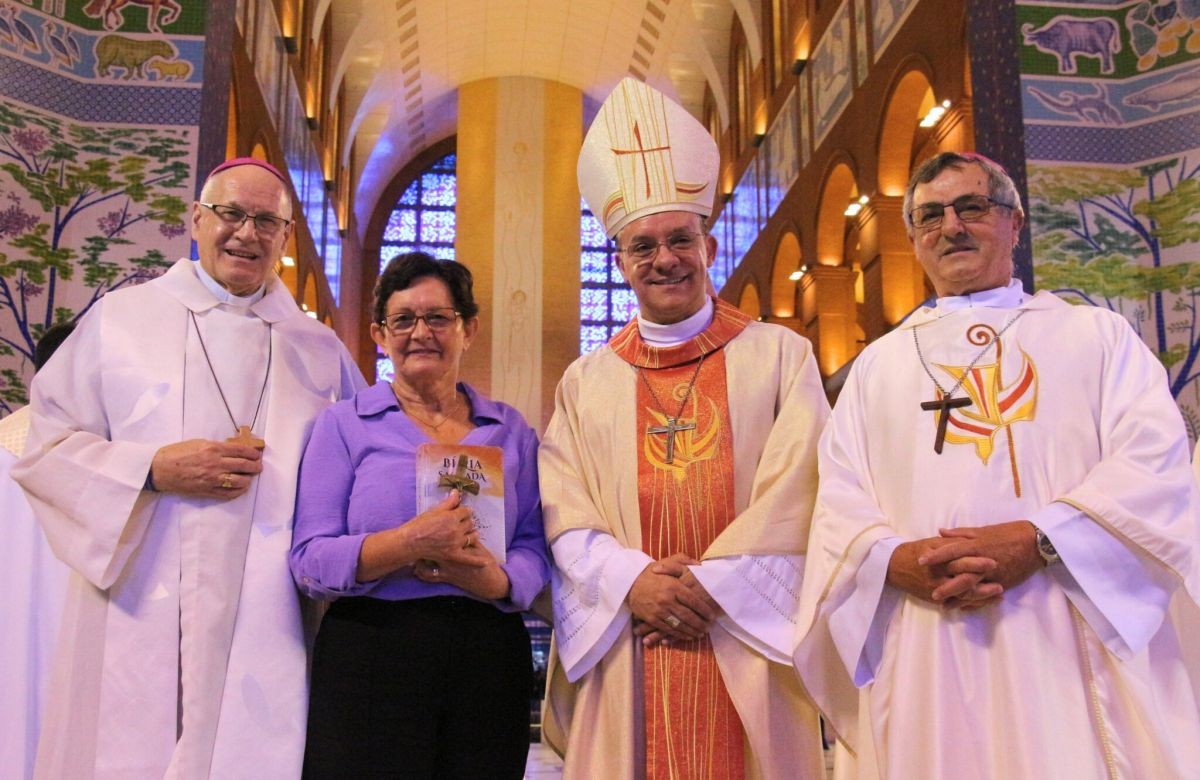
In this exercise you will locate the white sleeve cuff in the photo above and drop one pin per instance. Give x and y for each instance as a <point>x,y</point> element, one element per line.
<point>1122,594</point>
<point>759,595</point>
<point>592,576</point>
<point>859,624</point>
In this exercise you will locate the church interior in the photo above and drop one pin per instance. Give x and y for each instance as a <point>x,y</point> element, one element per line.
<point>454,127</point>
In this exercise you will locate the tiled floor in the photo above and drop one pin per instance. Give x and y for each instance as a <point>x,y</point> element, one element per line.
<point>544,765</point>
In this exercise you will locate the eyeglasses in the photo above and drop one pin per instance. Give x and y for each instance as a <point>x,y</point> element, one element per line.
<point>676,244</point>
<point>969,208</point>
<point>437,320</point>
<point>267,224</point>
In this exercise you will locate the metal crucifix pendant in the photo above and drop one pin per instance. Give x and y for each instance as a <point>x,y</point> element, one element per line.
<point>670,429</point>
<point>943,406</point>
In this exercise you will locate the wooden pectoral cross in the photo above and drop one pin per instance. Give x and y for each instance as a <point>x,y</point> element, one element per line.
<point>943,406</point>
<point>670,430</point>
<point>244,436</point>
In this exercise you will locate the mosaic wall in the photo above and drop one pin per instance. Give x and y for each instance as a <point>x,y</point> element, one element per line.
<point>99,117</point>
<point>1111,98</point>
<point>886,18</point>
<point>831,74</point>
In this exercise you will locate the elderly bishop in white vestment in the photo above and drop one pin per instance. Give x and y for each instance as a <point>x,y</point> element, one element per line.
<point>181,652</point>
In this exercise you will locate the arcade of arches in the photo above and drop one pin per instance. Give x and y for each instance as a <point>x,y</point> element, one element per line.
<point>840,280</point>
<point>820,111</point>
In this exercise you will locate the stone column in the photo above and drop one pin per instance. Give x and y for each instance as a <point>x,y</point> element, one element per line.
<point>518,232</point>
<point>836,320</point>
<point>903,277</point>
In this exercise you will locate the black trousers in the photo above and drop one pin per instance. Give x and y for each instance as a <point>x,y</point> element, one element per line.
<point>429,688</point>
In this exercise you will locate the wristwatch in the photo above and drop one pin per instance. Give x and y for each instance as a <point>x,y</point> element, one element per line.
<point>1045,547</point>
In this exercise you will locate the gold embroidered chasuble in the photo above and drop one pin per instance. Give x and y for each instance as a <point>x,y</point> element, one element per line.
<point>741,484</point>
<point>685,494</point>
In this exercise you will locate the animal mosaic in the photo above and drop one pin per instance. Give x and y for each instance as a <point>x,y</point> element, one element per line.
<point>1185,86</point>
<point>129,54</point>
<point>1068,37</point>
<point>61,43</point>
<point>111,13</point>
<point>1088,108</point>
<point>177,70</point>
<point>15,32</point>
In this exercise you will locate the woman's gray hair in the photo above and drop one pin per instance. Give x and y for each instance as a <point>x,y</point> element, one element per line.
<point>1000,185</point>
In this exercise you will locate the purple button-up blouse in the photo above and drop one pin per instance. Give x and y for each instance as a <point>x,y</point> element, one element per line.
<point>358,476</point>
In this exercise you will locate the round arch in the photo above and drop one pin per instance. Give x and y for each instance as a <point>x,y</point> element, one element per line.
<point>373,236</point>
<point>259,149</point>
<point>838,189</point>
<point>788,259</point>
<point>909,99</point>
<point>749,302</point>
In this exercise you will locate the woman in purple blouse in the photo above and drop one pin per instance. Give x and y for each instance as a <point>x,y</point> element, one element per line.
<point>422,665</point>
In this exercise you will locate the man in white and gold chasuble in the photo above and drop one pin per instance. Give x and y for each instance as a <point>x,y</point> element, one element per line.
<point>677,476</point>
<point>1003,560</point>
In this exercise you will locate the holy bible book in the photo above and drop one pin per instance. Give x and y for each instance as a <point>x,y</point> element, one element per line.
<point>478,474</point>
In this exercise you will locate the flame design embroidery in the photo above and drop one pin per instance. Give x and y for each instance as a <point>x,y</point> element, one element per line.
<point>994,407</point>
<point>691,446</point>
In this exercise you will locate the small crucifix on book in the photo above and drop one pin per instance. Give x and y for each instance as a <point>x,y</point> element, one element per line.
<point>670,429</point>
<point>245,436</point>
<point>943,405</point>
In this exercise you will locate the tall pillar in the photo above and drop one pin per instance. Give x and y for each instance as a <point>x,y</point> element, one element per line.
<point>902,276</point>
<point>518,231</point>
<point>836,316</point>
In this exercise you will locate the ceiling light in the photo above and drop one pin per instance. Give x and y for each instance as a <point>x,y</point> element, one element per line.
<point>288,261</point>
<point>798,274</point>
<point>935,114</point>
<point>856,206</point>
<point>312,314</point>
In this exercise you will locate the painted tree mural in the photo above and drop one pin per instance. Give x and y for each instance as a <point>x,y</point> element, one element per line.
<point>69,196</point>
<point>1127,239</point>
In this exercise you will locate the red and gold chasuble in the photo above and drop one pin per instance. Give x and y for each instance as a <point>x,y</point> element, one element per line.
<point>692,728</point>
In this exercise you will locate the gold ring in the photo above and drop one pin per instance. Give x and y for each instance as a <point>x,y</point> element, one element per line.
<point>671,621</point>
<point>227,484</point>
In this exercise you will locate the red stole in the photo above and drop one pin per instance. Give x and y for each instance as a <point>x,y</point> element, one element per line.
<point>692,728</point>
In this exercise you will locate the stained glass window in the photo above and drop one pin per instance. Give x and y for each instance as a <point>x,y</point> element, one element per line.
<point>605,302</point>
<point>423,220</point>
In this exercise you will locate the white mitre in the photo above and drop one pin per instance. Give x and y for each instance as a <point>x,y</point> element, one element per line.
<point>644,154</point>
